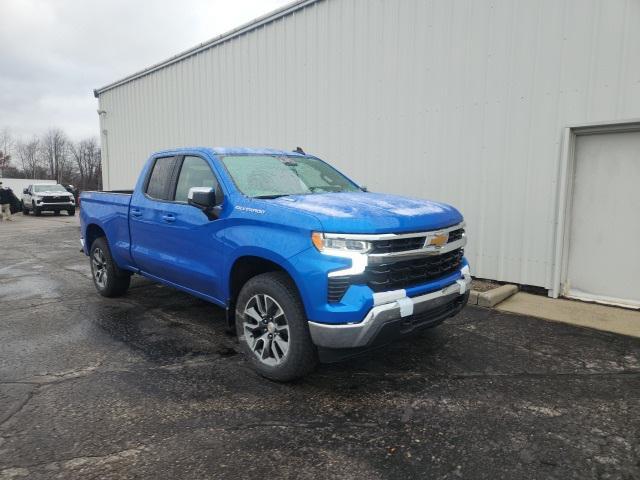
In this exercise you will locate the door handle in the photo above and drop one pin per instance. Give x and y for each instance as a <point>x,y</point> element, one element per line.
<point>136,212</point>
<point>169,218</point>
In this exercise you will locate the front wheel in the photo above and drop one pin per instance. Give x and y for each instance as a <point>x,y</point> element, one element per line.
<point>109,279</point>
<point>273,329</point>
<point>36,210</point>
<point>71,212</point>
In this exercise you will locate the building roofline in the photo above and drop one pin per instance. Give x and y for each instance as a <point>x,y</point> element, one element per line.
<point>236,32</point>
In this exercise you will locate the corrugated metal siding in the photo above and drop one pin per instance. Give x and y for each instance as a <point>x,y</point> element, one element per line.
<point>459,101</point>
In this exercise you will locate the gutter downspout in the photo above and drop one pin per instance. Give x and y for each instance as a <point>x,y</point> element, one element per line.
<point>104,151</point>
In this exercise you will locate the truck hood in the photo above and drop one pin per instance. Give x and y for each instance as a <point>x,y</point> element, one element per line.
<point>365,212</point>
<point>53,193</point>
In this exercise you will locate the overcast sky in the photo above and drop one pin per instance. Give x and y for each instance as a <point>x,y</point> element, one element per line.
<point>53,53</point>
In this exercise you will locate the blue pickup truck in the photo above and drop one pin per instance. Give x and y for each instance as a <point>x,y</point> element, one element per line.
<point>308,265</point>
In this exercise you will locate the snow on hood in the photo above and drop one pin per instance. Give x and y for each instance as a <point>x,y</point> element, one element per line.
<point>365,212</point>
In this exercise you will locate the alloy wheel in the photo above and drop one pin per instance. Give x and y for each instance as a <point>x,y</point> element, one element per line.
<point>99,267</point>
<point>266,329</point>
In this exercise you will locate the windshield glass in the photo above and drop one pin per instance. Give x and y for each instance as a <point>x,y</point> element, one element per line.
<point>271,176</point>
<point>49,188</point>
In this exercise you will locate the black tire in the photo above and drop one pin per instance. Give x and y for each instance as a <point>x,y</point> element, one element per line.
<point>36,211</point>
<point>301,357</point>
<point>109,279</point>
<point>71,212</point>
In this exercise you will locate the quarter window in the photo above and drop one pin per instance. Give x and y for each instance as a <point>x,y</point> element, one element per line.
<point>195,172</point>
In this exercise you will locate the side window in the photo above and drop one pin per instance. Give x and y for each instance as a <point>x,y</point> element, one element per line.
<point>195,172</point>
<point>160,178</point>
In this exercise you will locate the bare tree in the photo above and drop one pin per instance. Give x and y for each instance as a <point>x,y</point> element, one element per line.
<point>86,155</point>
<point>6,141</point>
<point>6,148</point>
<point>55,147</point>
<point>53,156</point>
<point>29,155</point>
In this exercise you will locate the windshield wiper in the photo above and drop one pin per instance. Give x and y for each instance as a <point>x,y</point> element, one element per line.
<point>269,197</point>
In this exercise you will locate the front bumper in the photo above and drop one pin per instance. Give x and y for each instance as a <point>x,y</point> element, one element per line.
<point>55,206</point>
<point>396,310</point>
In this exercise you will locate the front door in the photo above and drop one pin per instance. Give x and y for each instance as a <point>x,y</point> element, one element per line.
<point>171,239</point>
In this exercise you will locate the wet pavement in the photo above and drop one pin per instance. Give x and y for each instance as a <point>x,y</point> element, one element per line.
<point>151,386</point>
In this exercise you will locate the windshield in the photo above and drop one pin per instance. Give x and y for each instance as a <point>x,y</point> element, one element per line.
<point>271,176</point>
<point>49,188</point>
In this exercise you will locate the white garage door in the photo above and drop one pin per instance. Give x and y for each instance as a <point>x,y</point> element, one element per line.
<point>604,241</point>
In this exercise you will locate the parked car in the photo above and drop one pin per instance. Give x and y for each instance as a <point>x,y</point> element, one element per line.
<point>38,198</point>
<point>307,264</point>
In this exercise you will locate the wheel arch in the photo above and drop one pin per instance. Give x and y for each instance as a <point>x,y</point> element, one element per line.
<point>246,267</point>
<point>92,232</point>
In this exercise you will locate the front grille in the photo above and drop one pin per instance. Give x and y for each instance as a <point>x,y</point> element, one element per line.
<point>397,275</point>
<point>52,199</point>
<point>399,245</point>
<point>406,244</point>
<point>455,235</point>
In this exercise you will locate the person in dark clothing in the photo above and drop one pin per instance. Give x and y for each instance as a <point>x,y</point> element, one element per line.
<point>72,190</point>
<point>6,196</point>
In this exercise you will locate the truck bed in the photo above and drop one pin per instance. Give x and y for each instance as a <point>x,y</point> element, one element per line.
<point>110,210</point>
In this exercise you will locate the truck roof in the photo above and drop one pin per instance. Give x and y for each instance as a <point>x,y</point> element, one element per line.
<point>231,151</point>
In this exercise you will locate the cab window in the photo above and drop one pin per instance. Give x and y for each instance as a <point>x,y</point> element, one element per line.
<point>160,178</point>
<point>195,172</point>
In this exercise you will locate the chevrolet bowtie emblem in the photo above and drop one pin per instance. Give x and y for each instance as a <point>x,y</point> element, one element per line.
<point>438,240</point>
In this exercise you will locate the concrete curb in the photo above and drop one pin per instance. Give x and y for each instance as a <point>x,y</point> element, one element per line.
<point>492,297</point>
<point>473,297</point>
<point>581,314</point>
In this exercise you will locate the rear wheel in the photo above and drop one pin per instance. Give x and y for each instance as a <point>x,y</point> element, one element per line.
<point>273,329</point>
<point>109,279</point>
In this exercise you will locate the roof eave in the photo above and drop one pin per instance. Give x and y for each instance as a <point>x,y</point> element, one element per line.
<point>236,32</point>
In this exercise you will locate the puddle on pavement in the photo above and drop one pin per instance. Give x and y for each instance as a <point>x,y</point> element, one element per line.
<point>159,337</point>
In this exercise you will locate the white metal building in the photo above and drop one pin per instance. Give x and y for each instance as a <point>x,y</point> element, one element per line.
<point>525,114</point>
<point>17,185</point>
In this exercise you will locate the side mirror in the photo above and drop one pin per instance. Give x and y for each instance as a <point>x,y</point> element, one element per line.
<point>207,199</point>
<point>364,188</point>
<point>202,197</point>
<point>25,191</point>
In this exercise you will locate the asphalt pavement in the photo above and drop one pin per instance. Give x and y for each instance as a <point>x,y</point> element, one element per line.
<point>151,386</point>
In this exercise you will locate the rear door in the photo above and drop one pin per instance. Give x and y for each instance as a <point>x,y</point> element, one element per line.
<point>173,240</point>
<point>149,207</point>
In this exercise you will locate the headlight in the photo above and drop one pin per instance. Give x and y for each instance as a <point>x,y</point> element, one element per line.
<point>334,243</point>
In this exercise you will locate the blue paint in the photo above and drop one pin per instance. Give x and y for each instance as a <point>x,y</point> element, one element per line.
<point>197,254</point>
